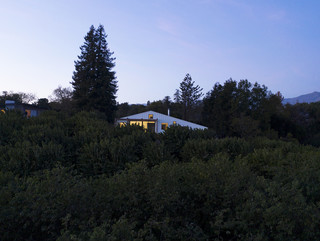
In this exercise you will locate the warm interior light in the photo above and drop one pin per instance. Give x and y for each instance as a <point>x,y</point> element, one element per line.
<point>28,112</point>
<point>164,126</point>
<point>147,125</point>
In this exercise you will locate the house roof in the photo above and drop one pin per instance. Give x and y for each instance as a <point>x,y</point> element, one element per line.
<point>159,116</point>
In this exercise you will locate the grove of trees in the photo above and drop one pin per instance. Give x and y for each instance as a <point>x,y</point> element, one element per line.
<point>76,177</point>
<point>240,108</point>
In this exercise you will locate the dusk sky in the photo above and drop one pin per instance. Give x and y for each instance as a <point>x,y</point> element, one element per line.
<point>157,42</point>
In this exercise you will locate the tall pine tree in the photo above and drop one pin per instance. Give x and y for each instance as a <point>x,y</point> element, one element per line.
<point>94,81</point>
<point>188,95</point>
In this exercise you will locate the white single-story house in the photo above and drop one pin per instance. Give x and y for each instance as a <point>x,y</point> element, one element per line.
<point>156,122</point>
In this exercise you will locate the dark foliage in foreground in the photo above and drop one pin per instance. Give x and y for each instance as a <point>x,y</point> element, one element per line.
<point>79,178</point>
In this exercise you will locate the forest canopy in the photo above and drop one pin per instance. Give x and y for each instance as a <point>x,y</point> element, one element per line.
<point>77,177</point>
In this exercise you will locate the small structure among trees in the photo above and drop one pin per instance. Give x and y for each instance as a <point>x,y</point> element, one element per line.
<point>156,122</point>
<point>94,81</point>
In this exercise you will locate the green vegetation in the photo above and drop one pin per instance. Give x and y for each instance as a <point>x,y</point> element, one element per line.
<point>240,109</point>
<point>76,177</point>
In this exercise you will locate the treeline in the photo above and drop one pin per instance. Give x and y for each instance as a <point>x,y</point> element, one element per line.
<point>245,110</point>
<point>233,109</point>
<point>76,177</point>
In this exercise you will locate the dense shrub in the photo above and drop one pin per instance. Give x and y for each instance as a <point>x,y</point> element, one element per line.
<point>79,178</point>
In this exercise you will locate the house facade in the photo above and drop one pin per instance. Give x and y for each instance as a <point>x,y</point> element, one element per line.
<point>28,110</point>
<point>156,122</point>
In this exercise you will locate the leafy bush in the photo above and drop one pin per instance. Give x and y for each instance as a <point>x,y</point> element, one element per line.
<point>79,178</point>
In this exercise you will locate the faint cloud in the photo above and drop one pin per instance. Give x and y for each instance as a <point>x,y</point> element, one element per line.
<point>169,26</point>
<point>235,4</point>
<point>175,29</point>
<point>277,16</point>
<point>206,1</point>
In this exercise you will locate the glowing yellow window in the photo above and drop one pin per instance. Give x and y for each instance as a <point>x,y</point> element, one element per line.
<point>150,116</point>
<point>28,113</point>
<point>174,123</point>
<point>164,126</point>
<point>122,124</point>
<point>138,123</point>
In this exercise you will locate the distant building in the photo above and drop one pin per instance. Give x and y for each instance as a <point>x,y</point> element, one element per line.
<point>156,122</point>
<point>28,110</point>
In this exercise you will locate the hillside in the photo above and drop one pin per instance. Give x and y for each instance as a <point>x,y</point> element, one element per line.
<point>77,177</point>
<point>307,98</point>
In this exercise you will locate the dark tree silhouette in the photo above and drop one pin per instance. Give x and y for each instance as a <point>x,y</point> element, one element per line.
<point>94,81</point>
<point>188,95</point>
<point>240,108</point>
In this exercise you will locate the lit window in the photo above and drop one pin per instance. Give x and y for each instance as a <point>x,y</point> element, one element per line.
<point>174,123</point>
<point>150,116</point>
<point>122,124</point>
<point>137,123</point>
<point>28,113</point>
<point>164,126</point>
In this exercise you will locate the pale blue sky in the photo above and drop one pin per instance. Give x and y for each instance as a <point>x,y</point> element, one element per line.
<point>156,42</point>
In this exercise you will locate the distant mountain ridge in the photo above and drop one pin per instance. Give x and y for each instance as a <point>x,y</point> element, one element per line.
<point>307,98</point>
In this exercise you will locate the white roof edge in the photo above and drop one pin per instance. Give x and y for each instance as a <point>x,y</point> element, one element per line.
<point>129,116</point>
